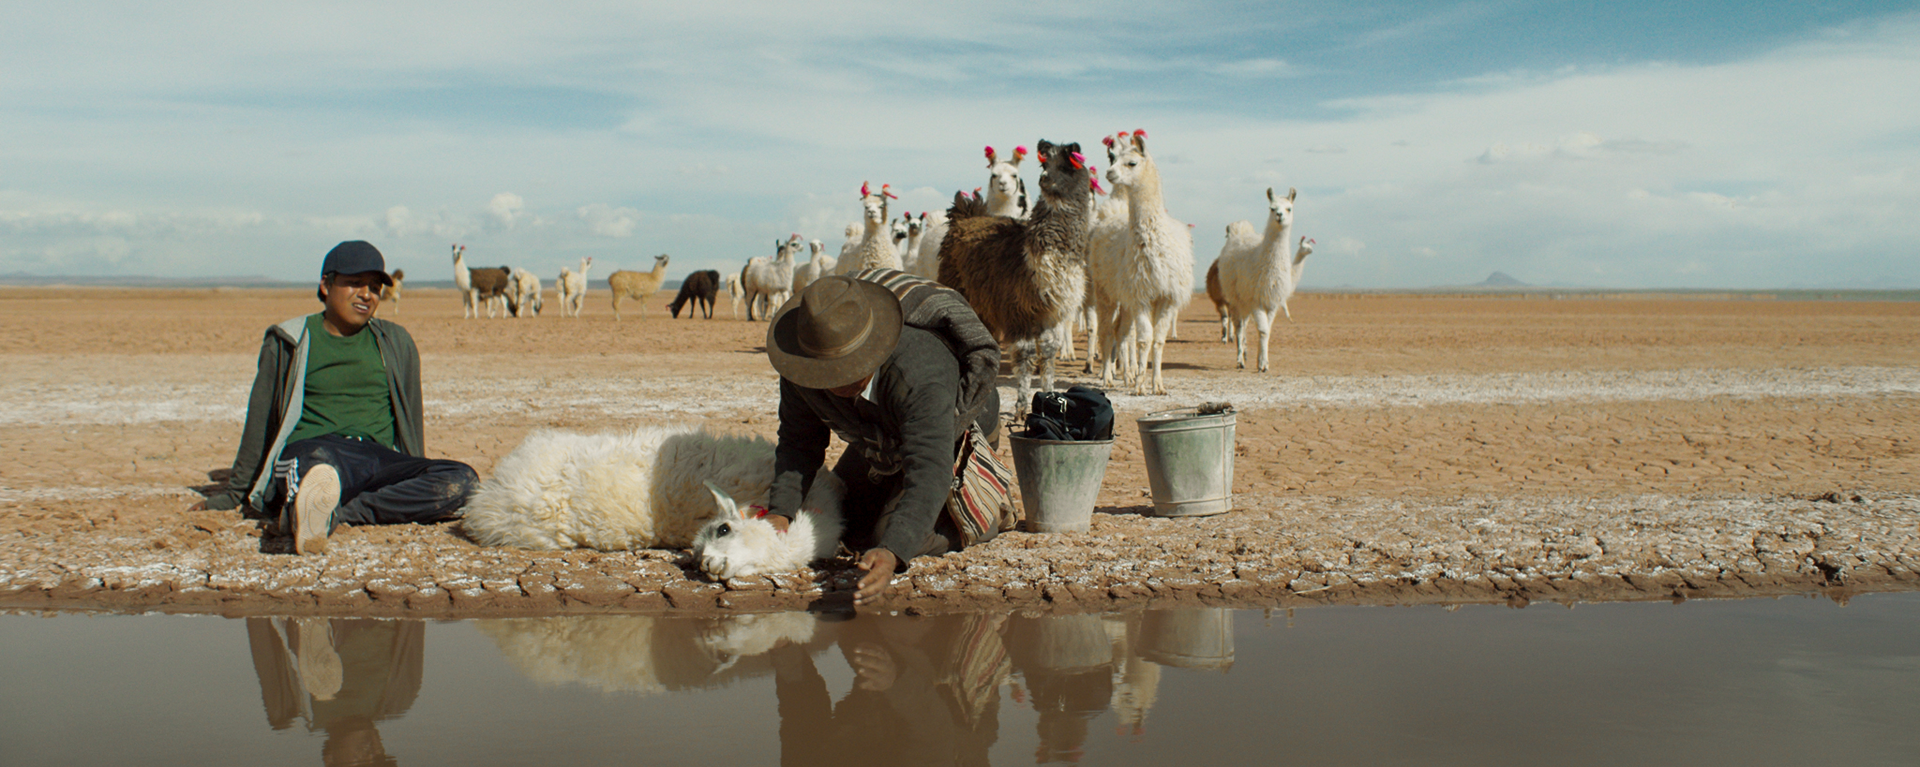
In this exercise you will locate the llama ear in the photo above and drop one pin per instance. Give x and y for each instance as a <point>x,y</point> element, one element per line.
<point>725,502</point>
<point>1269,194</point>
<point>1291,192</point>
<point>990,158</point>
<point>1140,140</point>
<point>1108,141</point>
<point>885,193</point>
<point>863,189</point>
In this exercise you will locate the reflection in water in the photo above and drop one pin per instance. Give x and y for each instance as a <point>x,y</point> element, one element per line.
<point>341,675</point>
<point>925,690</point>
<point>1075,667</point>
<point>1747,682</point>
<point>646,654</point>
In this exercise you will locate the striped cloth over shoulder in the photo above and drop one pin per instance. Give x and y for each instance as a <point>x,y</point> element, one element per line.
<point>941,310</point>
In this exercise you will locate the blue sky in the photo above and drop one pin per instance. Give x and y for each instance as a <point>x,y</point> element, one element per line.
<point>1637,145</point>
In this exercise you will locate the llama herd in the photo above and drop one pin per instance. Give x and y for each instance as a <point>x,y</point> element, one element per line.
<point>1036,270</point>
<point>1040,271</point>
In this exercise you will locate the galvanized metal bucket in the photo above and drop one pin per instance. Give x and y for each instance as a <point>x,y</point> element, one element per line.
<point>1189,457</point>
<point>1196,638</point>
<point>1059,481</point>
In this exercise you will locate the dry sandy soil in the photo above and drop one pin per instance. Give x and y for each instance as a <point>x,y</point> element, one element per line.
<point>1405,449</point>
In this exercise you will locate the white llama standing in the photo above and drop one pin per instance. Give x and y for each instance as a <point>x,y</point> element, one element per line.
<point>1256,274</point>
<point>1153,279</point>
<point>876,248</point>
<point>573,288</point>
<point>463,281</point>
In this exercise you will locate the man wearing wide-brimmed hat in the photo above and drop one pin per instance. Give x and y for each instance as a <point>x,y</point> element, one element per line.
<point>334,429</point>
<point>849,365</point>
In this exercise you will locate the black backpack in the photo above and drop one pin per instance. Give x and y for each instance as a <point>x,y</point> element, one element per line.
<point>1080,413</point>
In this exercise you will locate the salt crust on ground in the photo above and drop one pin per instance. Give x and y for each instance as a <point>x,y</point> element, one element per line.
<point>1405,451</point>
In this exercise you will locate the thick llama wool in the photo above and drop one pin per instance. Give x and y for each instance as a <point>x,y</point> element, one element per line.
<point>645,488</point>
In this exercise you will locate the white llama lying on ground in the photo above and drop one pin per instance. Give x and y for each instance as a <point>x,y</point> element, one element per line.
<point>654,486</point>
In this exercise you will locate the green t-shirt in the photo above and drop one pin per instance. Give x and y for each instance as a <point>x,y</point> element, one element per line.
<point>346,392</point>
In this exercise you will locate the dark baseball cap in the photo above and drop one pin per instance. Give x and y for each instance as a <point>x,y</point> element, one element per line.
<point>355,257</point>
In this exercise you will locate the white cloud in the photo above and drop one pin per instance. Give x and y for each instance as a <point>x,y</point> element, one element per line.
<point>506,208</point>
<point>715,131</point>
<point>608,221</point>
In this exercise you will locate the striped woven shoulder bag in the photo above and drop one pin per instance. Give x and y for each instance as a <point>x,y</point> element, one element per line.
<point>981,502</point>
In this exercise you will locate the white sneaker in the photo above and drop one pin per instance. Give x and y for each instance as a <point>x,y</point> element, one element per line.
<point>317,496</point>
<point>321,671</point>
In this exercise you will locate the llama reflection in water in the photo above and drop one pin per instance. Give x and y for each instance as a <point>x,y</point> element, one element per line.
<point>342,675</point>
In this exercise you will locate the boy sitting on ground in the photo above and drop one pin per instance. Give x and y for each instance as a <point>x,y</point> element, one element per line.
<point>334,429</point>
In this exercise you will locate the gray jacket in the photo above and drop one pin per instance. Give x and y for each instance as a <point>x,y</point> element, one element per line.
<point>908,429</point>
<point>279,386</point>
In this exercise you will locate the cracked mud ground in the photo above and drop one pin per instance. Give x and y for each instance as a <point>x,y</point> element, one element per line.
<point>1403,450</point>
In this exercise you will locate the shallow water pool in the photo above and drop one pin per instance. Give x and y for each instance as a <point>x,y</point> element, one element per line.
<point>1775,681</point>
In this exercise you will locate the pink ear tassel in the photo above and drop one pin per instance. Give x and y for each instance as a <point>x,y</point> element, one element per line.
<point>1019,152</point>
<point>1078,160</point>
<point>1140,133</point>
<point>885,193</point>
<point>1108,141</point>
<point>1095,180</point>
<point>989,154</point>
<point>863,189</point>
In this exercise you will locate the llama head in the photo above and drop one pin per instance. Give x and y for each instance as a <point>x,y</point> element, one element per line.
<point>1004,190</point>
<point>1129,160</point>
<point>786,250</point>
<point>1280,209</point>
<point>816,247</point>
<point>899,229</point>
<point>660,261</point>
<point>1063,173</point>
<point>737,541</point>
<point>875,205</point>
<point>458,251</point>
<point>916,224</point>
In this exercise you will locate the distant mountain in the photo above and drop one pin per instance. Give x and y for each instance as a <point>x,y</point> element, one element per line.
<point>1500,280</point>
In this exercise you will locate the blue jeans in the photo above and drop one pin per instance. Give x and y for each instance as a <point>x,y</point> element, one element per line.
<point>382,486</point>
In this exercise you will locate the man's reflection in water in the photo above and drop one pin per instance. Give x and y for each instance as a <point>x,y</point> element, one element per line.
<point>342,675</point>
<point>925,691</point>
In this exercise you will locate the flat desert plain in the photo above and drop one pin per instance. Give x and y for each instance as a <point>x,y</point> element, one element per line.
<point>1403,449</point>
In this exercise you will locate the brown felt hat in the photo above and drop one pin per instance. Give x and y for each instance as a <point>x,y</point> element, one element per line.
<point>834,333</point>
